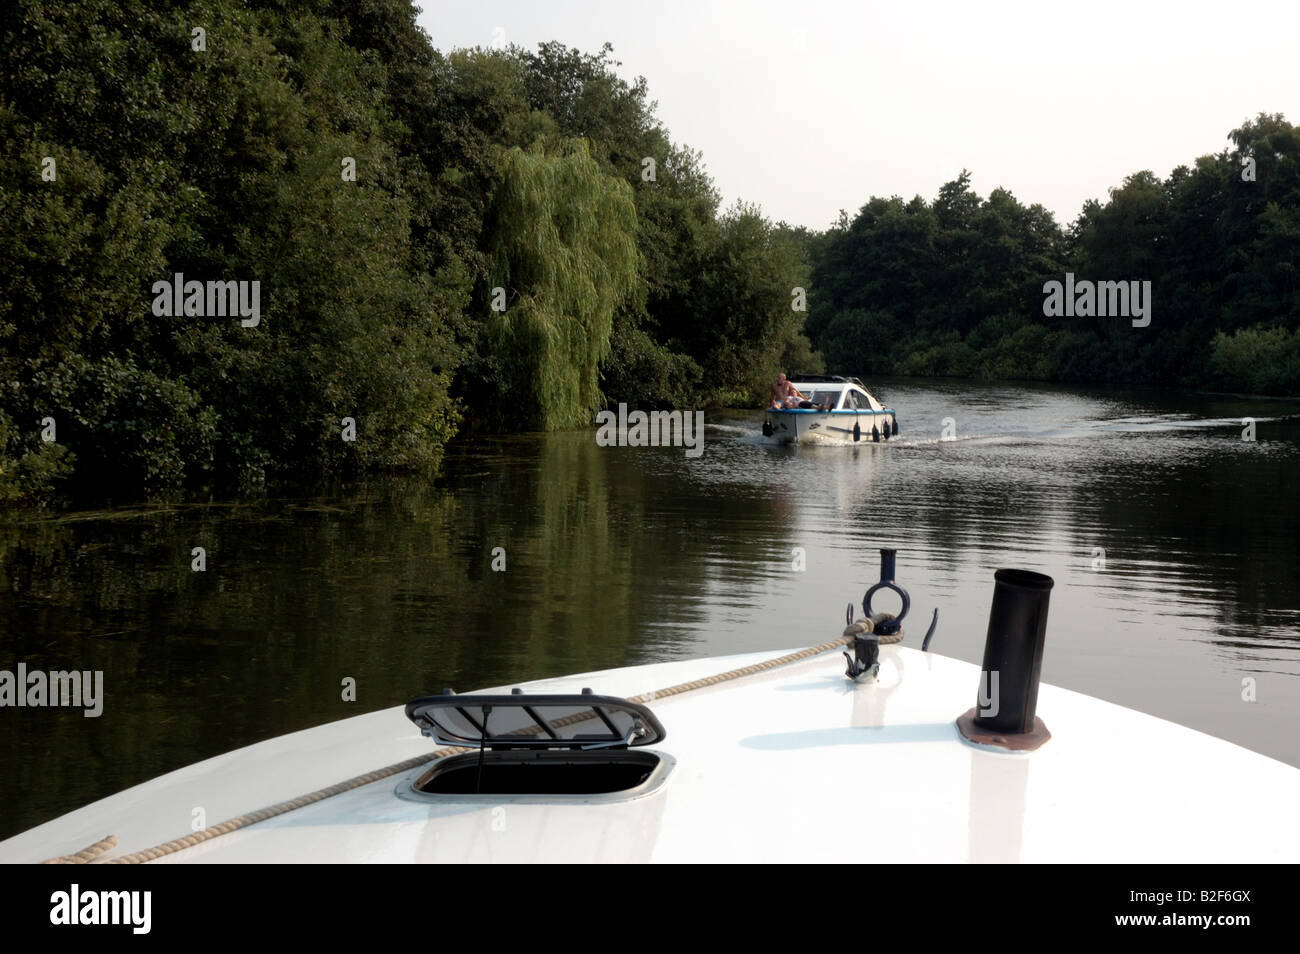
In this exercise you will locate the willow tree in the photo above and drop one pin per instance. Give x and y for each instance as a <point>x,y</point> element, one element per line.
<point>563,257</point>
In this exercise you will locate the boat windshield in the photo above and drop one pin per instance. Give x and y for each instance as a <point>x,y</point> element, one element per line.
<point>824,397</point>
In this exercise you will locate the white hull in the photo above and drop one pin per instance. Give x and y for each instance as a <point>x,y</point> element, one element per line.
<point>807,426</point>
<point>793,764</point>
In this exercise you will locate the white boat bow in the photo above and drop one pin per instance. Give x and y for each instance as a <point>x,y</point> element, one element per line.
<point>797,763</point>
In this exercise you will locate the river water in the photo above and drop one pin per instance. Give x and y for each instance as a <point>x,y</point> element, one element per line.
<point>1174,544</point>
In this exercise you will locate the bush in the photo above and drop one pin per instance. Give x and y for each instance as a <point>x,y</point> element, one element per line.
<point>856,341</point>
<point>129,428</point>
<point>645,374</point>
<point>30,468</point>
<point>1257,360</point>
<point>952,357</point>
<point>1024,355</point>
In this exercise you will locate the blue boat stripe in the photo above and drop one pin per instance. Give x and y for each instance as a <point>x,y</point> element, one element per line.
<point>812,410</point>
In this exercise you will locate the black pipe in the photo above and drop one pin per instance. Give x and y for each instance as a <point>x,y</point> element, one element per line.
<point>888,560</point>
<point>1013,652</point>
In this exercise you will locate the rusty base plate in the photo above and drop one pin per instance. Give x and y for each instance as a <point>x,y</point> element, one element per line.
<point>1011,741</point>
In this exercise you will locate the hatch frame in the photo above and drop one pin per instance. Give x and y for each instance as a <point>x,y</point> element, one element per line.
<point>646,729</point>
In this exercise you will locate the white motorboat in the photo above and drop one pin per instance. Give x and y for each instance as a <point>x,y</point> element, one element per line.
<point>766,757</point>
<point>834,409</point>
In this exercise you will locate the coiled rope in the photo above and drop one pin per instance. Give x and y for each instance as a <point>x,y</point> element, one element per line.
<point>252,818</point>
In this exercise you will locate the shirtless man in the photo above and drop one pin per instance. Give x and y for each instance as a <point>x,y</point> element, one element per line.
<point>784,393</point>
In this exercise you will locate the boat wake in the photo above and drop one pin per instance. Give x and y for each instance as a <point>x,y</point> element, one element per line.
<point>1173,422</point>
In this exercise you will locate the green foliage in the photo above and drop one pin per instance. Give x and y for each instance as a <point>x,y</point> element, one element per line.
<point>529,170</point>
<point>954,287</point>
<point>952,357</point>
<point>561,239</point>
<point>651,362</point>
<point>545,173</point>
<point>226,164</point>
<point>646,373</point>
<point>30,468</point>
<point>155,430</point>
<point>1022,355</point>
<point>1257,360</point>
<point>745,323</point>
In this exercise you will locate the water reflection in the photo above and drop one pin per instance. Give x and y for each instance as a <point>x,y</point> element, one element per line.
<point>617,556</point>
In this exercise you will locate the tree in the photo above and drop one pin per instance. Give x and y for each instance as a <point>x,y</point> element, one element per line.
<point>561,240</point>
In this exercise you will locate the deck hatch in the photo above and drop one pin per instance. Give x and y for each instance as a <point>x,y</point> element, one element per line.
<point>521,721</point>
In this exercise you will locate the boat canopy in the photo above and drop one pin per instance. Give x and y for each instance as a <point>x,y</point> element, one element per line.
<point>838,393</point>
<point>826,379</point>
<point>520,721</point>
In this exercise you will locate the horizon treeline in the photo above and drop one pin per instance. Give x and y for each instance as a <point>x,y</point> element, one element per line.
<point>508,240</point>
<point>955,287</point>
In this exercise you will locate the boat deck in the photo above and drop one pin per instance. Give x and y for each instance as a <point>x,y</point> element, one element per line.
<point>795,764</point>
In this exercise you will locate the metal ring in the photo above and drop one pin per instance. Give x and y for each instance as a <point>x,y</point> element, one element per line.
<point>888,584</point>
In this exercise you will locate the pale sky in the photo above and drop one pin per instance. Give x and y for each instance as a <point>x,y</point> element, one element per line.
<point>809,107</point>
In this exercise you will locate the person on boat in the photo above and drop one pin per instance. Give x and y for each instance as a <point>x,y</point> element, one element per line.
<point>785,394</point>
